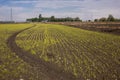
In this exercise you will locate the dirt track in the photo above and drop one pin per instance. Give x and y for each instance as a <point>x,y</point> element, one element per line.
<point>49,69</point>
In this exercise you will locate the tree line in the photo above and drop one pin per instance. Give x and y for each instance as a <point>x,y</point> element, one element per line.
<point>52,19</point>
<point>110,18</point>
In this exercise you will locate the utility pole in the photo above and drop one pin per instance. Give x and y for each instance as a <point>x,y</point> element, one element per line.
<point>11,16</point>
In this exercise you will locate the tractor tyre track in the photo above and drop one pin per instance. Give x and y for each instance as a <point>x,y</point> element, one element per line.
<point>49,69</point>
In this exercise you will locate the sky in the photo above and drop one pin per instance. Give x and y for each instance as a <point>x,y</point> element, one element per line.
<point>84,9</point>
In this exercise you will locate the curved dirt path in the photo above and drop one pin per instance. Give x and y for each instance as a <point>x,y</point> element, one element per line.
<point>49,69</point>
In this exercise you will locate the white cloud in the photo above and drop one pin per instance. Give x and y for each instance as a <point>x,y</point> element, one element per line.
<point>19,13</point>
<point>57,4</point>
<point>20,2</point>
<point>85,9</point>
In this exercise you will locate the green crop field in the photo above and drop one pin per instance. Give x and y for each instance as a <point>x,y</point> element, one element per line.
<point>57,52</point>
<point>11,66</point>
<point>87,54</point>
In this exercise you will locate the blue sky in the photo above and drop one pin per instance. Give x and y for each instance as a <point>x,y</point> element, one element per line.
<point>85,9</point>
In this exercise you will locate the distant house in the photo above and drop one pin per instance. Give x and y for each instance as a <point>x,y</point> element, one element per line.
<point>44,21</point>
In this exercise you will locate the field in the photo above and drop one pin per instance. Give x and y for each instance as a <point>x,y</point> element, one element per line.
<point>107,27</point>
<point>11,66</point>
<point>57,52</point>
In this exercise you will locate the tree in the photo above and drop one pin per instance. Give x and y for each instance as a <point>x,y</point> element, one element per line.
<point>77,19</point>
<point>29,20</point>
<point>34,19</point>
<point>52,18</point>
<point>110,18</point>
<point>89,20</point>
<point>103,19</point>
<point>40,16</point>
<point>117,20</point>
<point>96,20</point>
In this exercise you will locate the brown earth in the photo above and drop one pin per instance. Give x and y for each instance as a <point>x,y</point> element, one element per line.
<point>106,27</point>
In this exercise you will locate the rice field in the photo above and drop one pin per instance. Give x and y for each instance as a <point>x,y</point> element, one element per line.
<point>11,66</point>
<point>87,54</point>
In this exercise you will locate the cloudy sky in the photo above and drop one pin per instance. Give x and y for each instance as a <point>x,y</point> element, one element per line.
<point>85,9</point>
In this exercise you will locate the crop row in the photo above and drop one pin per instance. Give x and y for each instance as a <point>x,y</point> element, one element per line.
<point>86,54</point>
<point>11,66</point>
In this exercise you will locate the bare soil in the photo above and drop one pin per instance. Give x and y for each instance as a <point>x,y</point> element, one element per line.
<point>106,27</point>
